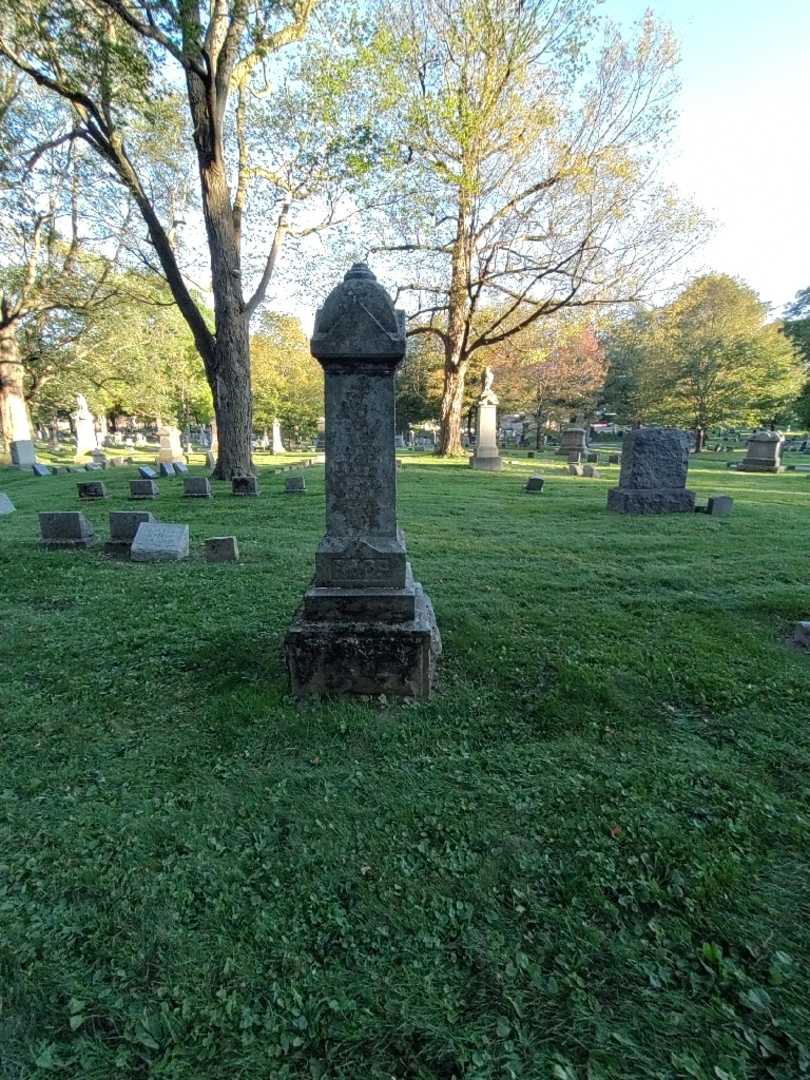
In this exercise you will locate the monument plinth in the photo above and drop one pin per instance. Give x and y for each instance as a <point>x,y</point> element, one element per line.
<point>763,453</point>
<point>486,454</point>
<point>365,626</point>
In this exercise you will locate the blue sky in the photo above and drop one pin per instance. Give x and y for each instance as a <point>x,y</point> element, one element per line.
<point>742,144</point>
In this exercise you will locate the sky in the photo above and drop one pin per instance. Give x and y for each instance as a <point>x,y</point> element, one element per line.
<point>742,143</point>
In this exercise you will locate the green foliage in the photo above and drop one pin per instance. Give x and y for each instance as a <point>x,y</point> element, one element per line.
<point>707,359</point>
<point>585,858</point>
<point>287,382</point>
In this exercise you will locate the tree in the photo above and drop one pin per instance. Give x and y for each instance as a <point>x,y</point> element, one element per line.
<point>287,382</point>
<point>50,279</point>
<point>528,177</point>
<point>797,327</point>
<point>635,381</point>
<point>711,358</point>
<point>110,60</point>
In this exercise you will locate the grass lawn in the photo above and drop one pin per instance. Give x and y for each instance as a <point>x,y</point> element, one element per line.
<point>586,857</point>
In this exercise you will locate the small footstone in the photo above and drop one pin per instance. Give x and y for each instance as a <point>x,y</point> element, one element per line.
<point>221,549</point>
<point>40,470</point>
<point>575,470</point>
<point>535,483</point>
<point>294,485</point>
<point>93,489</point>
<point>530,454</point>
<point>64,528</point>
<point>6,505</point>
<point>180,467</point>
<point>156,542</point>
<point>124,525</point>
<point>197,487</point>
<point>143,489</point>
<point>244,485</point>
<point>719,505</point>
<point>592,471</point>
<point>167,469</point>
<point>146,472</point>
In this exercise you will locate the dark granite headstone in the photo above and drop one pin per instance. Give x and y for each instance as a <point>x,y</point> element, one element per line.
<point>92,489</point>
<point>535,483</point>
<point>221,549</point>
<point>124,525</point>
<point>652,480</point>
<point>64,528</point>
<point>244,485</point>
<point>40,470</point>
<point>166,469</point>
<point>146,472</point>
<point>197,487</point>
<point>143,489</point>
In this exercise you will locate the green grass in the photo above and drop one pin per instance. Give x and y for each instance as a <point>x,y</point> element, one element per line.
<point>586,857</point>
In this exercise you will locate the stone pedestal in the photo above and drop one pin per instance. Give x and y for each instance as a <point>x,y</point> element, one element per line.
<point>652,480</point>
<point>85,428</point>
<point>573,441</point>
<point>23,454</point>
<point>365,627</point>
<point>763,453</point>
<point>486,454</point>
<point>170,446</point>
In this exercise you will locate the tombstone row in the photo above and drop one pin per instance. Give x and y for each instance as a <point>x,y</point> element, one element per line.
<point>133,534</point>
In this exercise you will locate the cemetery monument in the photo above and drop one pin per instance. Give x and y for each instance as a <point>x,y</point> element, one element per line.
<point>652,479</point>
<point>486,454</point>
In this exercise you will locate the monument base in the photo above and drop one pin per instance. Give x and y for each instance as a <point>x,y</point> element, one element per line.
<point>341,656</point>
<point>651,500</point>
<point>491,464</point>
<point>755,466</point>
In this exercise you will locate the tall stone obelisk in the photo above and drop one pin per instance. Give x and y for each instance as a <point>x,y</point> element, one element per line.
<point>365,627</point>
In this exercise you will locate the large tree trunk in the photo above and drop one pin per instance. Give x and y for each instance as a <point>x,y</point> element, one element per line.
<point>452,406</point>
<point>15,423</point>
<point>233,404</point>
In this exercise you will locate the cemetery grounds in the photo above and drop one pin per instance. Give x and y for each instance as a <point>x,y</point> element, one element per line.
<point>586,857</point>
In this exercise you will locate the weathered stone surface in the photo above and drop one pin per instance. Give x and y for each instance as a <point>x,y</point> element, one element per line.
<point>365,626</point>
<point>801,634</point>
<point>64,528</point>
<point>244,485</point>
<point>575,470</point>
<point>124,525</point>
<point>719,505</point>
<point>197,487</point>
<point>6,505</point>
<point>92,489</point>
<point>573,440</point>
<point>166,468</point>
<point>294,485</point>
<point>143,489</point>
<point>221,549</point>
<point>763,453</point>
<point>652,480</point>
<point>535,483</point>
<point>180,468</point>
<point>146,472</point>
<point>40,470</point>
<point>159,542</point>
<point>591,471</point>
<point>22,453</point>
<point>170,446</point>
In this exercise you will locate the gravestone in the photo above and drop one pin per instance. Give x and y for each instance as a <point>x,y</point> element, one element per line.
<point>197,487</point>
<point>124,525</point>
<point>719,505</point>
<point>64,528</point>
<point>99,458</point>
<point>23,454</point>
<point>486,454</point>
<point>763,453</point>
<point>276,442</point>
<point>85,427</point>
<point>530,454</point>
<point>40,470</point>
<point>92,466</point>
<point>6,505</point>
<point>180,468</point>
<point>92,489</point>
<point>573,441</point>
<point>221,549</point>
<point>165,468</point>
<point>592,472</point>
<point>170,446</point>
<point>146,472</point>
<point>294,485</point>
<point>143,489</point>
<point>244,485</point>
<point>157,542</point>
<point>652,480</point>
<point>614,459</point>
<point>365,627</point>
<point>535,483</point>
<point>592,458</point>
<point>575,470</point>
